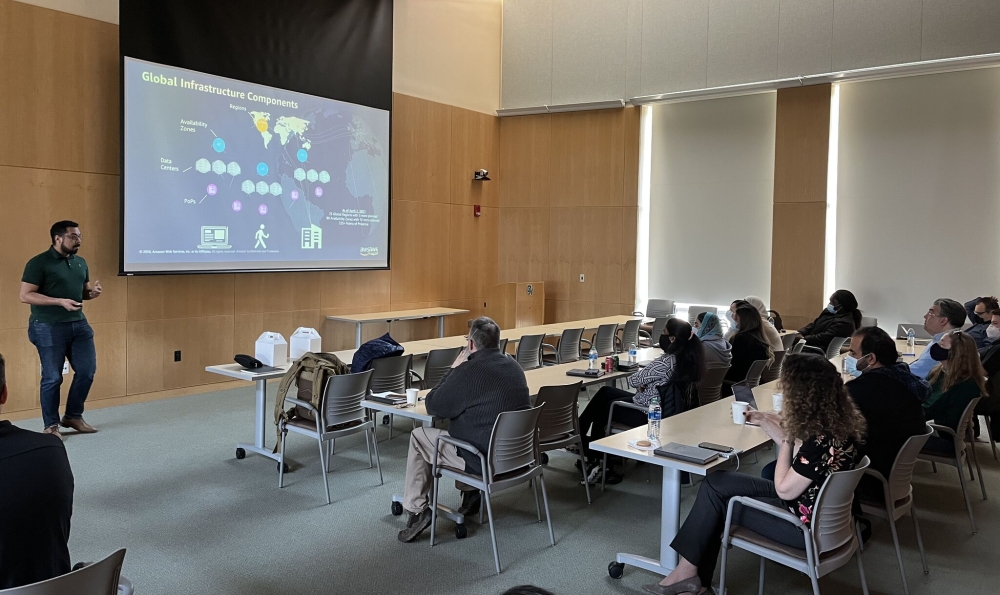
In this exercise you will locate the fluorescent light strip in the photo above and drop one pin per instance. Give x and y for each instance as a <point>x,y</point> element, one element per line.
<point>830,260</point>
<point>642,234</point>
<point>566,107</point>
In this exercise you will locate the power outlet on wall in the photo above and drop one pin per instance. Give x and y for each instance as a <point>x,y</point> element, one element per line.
<point>177,355</point>
<point>65,369</point>
<point>581,277</point>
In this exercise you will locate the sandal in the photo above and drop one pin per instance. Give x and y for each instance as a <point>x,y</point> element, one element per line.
<point>691,585</point>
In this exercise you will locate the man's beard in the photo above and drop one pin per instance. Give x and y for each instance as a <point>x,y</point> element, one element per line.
<point>72,250</point>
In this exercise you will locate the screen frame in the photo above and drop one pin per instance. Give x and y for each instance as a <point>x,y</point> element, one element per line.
<point>226,271</point>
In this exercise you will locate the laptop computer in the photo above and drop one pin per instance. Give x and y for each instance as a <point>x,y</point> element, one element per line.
<point>744,394</point>
<point>922,336</point>
<point>689,454</point>
<point>585,373</point>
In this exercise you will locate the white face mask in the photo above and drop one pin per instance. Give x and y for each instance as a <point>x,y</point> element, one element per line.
<point>993,332</point>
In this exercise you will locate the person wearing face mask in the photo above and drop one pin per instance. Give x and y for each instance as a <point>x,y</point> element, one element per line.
<point>979,312</point>
<point>956,380</point>
<point>681,364</point>
<point>731,318</point>
<point>770,333</point>
<point>889,397</point>
<point>748,346</point>
<point>943,317</point>
<point>840,319</point>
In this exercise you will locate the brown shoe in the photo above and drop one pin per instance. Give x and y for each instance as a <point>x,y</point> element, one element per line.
<point>54,430</point>
<point>77,423</point>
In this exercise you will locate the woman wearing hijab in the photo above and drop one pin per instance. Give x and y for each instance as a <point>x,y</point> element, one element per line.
<point>770,333</point>
<point>717,350</point>
<point>840,319</point>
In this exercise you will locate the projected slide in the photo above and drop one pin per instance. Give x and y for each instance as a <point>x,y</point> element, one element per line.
<point>226,175</point>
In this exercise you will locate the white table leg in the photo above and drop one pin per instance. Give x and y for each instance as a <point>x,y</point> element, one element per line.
<point>357,335</point>
<point>258,426</point>
<point>440,326</point>
<point>670,518</point>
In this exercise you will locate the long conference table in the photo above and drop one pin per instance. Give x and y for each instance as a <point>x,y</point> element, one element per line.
<point>417,348</point>
<point>710,423</point>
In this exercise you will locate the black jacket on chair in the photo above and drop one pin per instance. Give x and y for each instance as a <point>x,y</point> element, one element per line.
<point>826,327</point>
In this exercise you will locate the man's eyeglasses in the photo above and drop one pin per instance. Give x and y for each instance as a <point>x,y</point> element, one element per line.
<point>74,236</point>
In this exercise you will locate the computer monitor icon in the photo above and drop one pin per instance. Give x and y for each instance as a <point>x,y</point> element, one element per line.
<point>214,237</point>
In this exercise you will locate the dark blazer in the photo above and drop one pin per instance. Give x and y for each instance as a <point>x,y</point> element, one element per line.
<point>893,412</point>
<point>36,503</point>
<point>826,327</point>
<point>746,350</point>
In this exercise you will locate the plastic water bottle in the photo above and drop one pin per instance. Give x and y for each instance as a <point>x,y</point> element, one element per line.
<point>593,358</point>
<point>653,426</point>
<point>633,352</point>
<point>911,342</point>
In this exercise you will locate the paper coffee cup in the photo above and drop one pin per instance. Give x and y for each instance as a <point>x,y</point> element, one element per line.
<point>739,409</point>
<point>411,396</point>
<point>777,401</point>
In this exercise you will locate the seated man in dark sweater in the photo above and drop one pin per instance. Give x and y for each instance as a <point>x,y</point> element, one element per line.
<point>482,383</point>
<point>889,397</point>
<point>36,501</point>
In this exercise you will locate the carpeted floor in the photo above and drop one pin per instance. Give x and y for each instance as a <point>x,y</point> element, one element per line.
<point>161,480</point>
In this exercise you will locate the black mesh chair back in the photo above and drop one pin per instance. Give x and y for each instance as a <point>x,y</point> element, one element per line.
<point>529,352</point>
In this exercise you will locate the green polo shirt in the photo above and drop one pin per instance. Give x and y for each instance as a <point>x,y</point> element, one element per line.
<point>57,276</point>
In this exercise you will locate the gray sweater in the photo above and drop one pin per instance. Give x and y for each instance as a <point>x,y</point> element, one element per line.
<point>474,394</point>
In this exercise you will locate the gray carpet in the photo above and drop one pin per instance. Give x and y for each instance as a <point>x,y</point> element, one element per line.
<point>161,480</point>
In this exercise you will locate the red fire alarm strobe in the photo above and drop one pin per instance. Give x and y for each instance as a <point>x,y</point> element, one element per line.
<point>475,210</point>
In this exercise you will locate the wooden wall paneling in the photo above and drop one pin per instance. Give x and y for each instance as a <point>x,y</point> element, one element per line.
<point>355,288</point>
<point>247,328</point>
<point>421,150</point>
<point>569,254</point>
<point>287,323</point>
<point>801,144</point>
<point>180,296</point>
<point>99,225</point>
<point>628,246</point>
<point>472,256</point>
<point>289,292</point>
<point>415,330</point>
<point>23,370</point>
<point>631,129</point>
<point>341,335</point>
<point>203,341</point>
<point>588,158</point>
<point>459,323</point>
<point>562,311</point>
<point>248,293</point>
<point>475,145</point>
<point>797,256</point>
<point>34,199</point>
<point>144,358</point>
<point>110,343</point>
<point>604,229</point>
<point>526,177</point>
<point>420,242</point>
<point>523,244</point>
<point>76,101</point>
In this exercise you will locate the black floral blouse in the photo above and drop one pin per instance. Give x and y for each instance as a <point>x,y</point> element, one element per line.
<point>816,459</point>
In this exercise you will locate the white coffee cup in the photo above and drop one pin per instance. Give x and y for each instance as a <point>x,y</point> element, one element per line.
<point>777,401</point>
<point>411,396</point>
<point>739,411</point>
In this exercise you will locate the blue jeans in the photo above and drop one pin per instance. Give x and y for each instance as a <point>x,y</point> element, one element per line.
<point>56,343</point>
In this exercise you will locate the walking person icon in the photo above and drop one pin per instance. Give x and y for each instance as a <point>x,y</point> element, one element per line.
<point>261,236</point>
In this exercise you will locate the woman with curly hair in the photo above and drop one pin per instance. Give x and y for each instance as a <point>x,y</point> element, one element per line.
<point>817,432</point>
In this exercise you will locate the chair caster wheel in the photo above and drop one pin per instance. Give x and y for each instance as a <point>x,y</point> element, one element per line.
<point>385,420</point>
<point>241,454</point>
<point>287,468</point>
<point>461,531</point>
<point>545,458</point>
<point>616,570</point>
<point>396,509</point>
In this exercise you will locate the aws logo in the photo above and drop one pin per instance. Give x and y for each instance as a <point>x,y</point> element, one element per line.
<point>369,251</point>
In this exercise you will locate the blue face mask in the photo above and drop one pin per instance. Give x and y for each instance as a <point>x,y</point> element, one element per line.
<point>831,309</point>
<point>851,366</point>
<point>732,321</point>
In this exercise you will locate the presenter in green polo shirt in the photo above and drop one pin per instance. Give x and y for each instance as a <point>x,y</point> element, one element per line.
<point>56,283</point>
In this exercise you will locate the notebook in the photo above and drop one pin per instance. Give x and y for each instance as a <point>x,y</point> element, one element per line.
<point>389,398</point>
<point>689,454</point>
